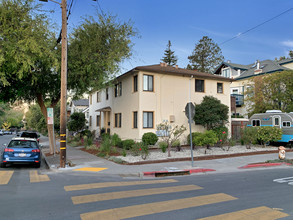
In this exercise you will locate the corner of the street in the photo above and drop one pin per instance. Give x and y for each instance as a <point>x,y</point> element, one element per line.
<point>78,160</point>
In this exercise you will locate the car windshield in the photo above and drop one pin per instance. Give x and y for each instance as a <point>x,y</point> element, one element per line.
<point>29,135</point>
<point>22,144</point>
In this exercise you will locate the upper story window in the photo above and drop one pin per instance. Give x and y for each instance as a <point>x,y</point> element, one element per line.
<point>199,85</point>
<point>90,99</point>
<point>135,83</point>
<point>235,91</point>
<point>219,87</point>
<point>226,72</point>
<point>98,96</point>
<point>118,89</point>
<point>148,83</point>
<point>107,93</point>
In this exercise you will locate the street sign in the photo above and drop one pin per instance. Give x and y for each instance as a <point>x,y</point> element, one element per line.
<point>187,110</point>
<point>50,116</point>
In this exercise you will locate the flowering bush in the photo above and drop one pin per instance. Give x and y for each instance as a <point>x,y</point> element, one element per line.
<point>140,148</point>
<point>222,135</point>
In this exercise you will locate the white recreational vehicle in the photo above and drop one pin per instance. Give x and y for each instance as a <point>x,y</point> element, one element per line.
<point>275,118</point>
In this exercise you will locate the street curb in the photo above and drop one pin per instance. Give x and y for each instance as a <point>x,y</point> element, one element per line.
<point>176,172</point>
<point>263,165</point>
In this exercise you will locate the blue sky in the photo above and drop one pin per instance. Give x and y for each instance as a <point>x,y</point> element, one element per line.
<point>185,22</point>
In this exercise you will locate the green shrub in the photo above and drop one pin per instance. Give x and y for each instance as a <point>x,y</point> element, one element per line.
<point>87,133</point>
<point>163,145</point>
<point>149,138</point>
<point>106,146</point>
<point>208,138</point>
<point>268,134</point>
<point>116,140</point>
<point>128,143</point>
<point>136,148</point>
<point>176,144</point>
<point>116,160</point>
<point>124,153</point>
<point>194,134</point>
<point>141,149</point>
<point>222,134</point>
<point>249,136</point>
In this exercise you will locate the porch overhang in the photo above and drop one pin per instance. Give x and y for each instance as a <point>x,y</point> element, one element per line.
<point>105,109</point>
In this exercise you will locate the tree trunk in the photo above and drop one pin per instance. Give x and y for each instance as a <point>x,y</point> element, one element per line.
<point>49,126</point>
<point>169,150</point>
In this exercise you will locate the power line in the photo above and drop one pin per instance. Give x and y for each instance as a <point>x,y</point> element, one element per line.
<point>238,35</point>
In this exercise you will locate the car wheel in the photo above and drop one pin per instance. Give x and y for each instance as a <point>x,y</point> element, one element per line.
<point>38,165</point>
<point>2,165</point>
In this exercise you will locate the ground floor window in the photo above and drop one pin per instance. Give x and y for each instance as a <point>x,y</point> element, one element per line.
<point>134,119</point>
<point>118,120</point>
<point>148,119</point>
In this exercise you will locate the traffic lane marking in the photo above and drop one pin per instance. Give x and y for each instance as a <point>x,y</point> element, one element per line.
<point>5,177</point>
<point>91,169</point>
<point>262,212</point>
<point>284,180</point>
<point>132,193</point>
<point>114,184</point>
<point>35,177</point>
<point>156,207</point>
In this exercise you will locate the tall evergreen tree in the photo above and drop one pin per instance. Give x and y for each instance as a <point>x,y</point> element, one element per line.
<point>206,56</point>
<point>169,56</point>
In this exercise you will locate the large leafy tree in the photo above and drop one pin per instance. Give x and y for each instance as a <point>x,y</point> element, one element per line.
<point>169,56</point>
<point>96,48</point>
<point>29,64</point>
<point>206,56</point>
<point>211,113</point>
<point>273,91</point>
<point>28,60</point>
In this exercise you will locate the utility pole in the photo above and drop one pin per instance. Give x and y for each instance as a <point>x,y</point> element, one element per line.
<point>63,99</point>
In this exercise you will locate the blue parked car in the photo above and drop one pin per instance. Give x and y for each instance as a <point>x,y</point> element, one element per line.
<point>22,150</point>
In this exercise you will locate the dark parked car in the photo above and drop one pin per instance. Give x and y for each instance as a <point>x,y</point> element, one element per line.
<point>30,135</point>
<point>22,150</point>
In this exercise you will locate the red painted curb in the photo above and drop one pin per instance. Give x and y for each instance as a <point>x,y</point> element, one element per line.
<point>190,171</point>
<point>200,170</point>
<point>263,165</point>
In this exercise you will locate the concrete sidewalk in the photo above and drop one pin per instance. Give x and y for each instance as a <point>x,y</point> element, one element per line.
<point>84,161</point>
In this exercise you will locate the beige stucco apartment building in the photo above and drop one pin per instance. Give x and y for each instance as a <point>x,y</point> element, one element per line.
<point>147,95</point>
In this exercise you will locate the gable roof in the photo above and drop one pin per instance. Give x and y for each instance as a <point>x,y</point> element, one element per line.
<point>170,70</point>
<point>267,66</point>
<point>81,102</point>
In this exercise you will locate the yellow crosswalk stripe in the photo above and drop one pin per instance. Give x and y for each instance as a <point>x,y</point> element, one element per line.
<point>91,169</point>
<point>5,176</point>
<point>131,193</point>
<point>114,184</point>
<point>35,177</point>
<point>157,207</point>
<point>262,212</point>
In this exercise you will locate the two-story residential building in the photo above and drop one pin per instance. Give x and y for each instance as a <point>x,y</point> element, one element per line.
<point>243,75</point>
<point>147,95</point>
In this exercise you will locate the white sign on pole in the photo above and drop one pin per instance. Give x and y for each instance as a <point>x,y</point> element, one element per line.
<point>50,116</point>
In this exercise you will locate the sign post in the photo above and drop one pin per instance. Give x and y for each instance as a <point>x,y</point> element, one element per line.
<point>189,112</point>
<point>50,120</point>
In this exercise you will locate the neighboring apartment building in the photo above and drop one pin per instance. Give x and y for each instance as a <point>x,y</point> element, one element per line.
<point>243,75</point>
<point>79,105</point>
<point>147,95</point>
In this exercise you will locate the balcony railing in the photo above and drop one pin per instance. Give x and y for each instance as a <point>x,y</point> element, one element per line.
<point>239,99</point>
